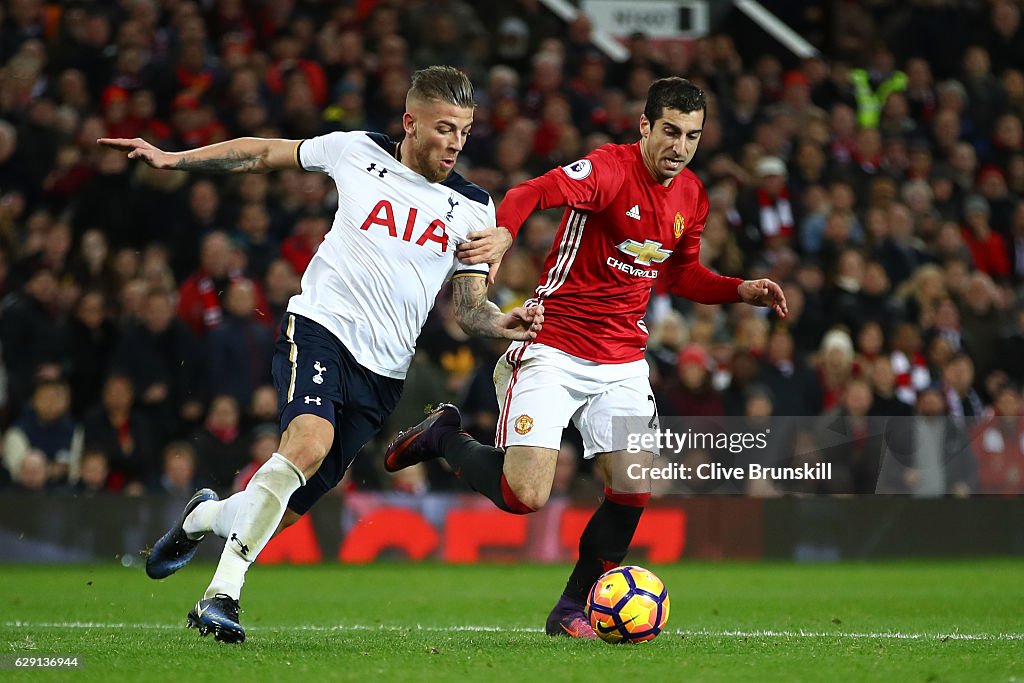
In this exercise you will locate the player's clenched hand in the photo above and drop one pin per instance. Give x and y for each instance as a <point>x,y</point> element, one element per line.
<point>764,293</point>
<point>138,148</point>
<point>522,323</point>
<point>486,246</point>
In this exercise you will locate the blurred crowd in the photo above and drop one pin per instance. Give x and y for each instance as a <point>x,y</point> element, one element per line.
<point>882,184</point>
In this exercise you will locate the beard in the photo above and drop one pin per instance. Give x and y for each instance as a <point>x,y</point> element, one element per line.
<point>429,168</point>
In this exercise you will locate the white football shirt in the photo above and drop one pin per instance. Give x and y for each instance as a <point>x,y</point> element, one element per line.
<point>391,248</point>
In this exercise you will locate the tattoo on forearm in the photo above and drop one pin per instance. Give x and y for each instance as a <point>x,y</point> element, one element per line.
<point>233,161</point>
<point>474,312</point>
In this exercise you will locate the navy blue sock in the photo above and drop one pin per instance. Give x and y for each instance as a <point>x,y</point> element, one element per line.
<point>480,468</point>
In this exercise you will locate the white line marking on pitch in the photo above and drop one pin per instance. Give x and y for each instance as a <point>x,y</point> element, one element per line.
<point>883,635</point>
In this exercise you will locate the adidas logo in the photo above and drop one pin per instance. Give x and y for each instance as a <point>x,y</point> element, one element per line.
<point>634,213</point>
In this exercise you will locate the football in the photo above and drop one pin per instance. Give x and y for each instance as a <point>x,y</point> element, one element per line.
<point>628,605</point>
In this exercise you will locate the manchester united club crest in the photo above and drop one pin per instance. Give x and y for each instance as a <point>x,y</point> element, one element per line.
<point>678,226</point>
<point>524,423</point>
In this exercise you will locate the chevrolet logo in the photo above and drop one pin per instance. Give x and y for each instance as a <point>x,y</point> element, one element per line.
<point>645,254</point>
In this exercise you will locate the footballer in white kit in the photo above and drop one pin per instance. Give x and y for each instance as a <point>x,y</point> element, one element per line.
<point>348,338</point>
<point>370,285</point>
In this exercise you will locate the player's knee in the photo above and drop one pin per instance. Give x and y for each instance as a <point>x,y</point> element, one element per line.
<point>535,500</point>
<point>531,497</point>
<point>306,442</point>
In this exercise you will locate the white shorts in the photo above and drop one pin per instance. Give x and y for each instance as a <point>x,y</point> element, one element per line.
<point>541,388</point>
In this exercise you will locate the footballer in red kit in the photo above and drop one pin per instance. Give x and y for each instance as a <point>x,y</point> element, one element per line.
<point>633,214</point>
<point>621,231</point>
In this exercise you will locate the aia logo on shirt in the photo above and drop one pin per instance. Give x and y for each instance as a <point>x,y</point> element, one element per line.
<point>383,215</point>
<point>578,170</point>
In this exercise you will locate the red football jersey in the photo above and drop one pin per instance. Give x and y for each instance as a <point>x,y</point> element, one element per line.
<point>621,231</point>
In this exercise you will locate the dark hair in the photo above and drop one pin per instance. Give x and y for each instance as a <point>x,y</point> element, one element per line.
<point>442,84</point>
<point>181,448</point>
<point>673,93</point>
<point>48,383</point>
<point>1005,386</point>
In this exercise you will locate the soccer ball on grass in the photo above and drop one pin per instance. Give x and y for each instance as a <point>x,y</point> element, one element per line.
<point>628,605</point>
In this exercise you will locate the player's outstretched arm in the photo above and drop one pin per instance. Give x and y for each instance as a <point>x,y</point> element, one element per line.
<point>241,155</point>
<point>479,316</point>
<point>764,292</point>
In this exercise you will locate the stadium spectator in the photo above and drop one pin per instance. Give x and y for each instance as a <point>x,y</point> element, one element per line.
<point>850,437</point>
<point>691,392</point>
<point>93,268</point>
<point>668,337</point>
<point>239,349</point>
<point>845,291</point>
<point>46,426</point>
<point>813,312</point>
<point>835,366</point>
<point>986,246</point>
<point>33,336</point>
<point>163,360</point>
<point>93,474</point>
<point>127,437</point>
<point>876,303</point>
<point>841,200</point>
<point>787,376</point>
<point>252,234</point>
<point>263,407</point>
<point>944,322</point>
<point>32,474</point>
<point>298,249</point>
<point>199,298</point>
<point>930,458</point>
<point>962,399</point>
<point>991,185</point>
<point>982,321</point>
<point>221,447</point>
<point>885,402</point>
<point>93,340</point>
<point>908,362</point>
<point>91,184</point>
<point>869,343</point>
<point>177,475</point>
<point>999,443</point>
<point>923,293</point>
<point>766,208</point>
<point>1002,34</point>
<point>263,441</point>
<point>281,284</point>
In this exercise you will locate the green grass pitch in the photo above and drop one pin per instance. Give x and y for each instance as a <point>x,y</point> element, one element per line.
<point>904,621</point>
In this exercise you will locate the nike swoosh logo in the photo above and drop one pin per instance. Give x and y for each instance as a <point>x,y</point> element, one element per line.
<point>613,627</point>
<point>200,609</point>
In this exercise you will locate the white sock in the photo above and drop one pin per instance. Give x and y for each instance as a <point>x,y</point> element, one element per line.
<point>257,513</point>
<point>214,516</point>
<point>200,521</point>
